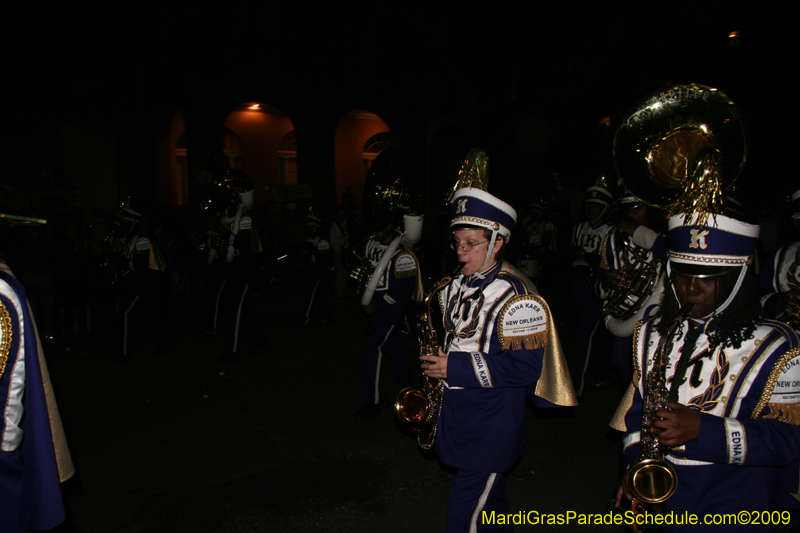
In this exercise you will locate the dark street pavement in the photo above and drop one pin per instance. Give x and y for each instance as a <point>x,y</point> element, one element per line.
<point>184,442</point>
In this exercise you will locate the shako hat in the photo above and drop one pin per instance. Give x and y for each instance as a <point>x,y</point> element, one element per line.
<point>711,248</point>
<point>474,207</point>
<point>625,198</point>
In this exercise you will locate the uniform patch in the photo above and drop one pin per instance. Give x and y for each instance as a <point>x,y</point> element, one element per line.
<point>388,299</point>
<point>245,223</point>
<point>784,404</point>
<point>405,266</point>
<point>323,246</point>
<point>788,382</point>
<point>523,321</point>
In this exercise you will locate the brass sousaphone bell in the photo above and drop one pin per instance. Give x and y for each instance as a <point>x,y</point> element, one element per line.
<point>678,150</point>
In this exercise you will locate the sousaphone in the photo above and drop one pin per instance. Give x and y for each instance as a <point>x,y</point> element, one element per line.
<point>678,150</point>
<point>388,199</point>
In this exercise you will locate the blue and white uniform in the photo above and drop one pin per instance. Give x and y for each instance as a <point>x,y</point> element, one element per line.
<point>587,238</point>
<point>749,402</point>
<point>498,329</point>
<point>502,345</point>
<point>34,458</point>
<point>235,265</point>
<point>747,452</point>
<point>138,286</point>
<point>399,283</point>
<point>591,337</point>
<point>317,257</point>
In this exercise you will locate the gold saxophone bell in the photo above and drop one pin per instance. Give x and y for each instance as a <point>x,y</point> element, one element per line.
<point>653,480</point>
<point>411,405</point>
<point>421,408</point>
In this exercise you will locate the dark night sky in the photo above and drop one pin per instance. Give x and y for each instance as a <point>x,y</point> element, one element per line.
<point>568,64</point>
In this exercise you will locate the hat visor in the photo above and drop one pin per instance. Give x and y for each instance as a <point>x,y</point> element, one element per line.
<point>689,270</point>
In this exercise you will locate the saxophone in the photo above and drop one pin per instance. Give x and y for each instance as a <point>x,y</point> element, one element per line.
<point>652,479</point>
<point>422,407</point>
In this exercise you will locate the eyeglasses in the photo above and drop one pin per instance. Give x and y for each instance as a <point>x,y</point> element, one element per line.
<point>466,246</point>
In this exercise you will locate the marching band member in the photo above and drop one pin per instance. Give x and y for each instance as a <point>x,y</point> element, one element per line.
<point>35,457</point>
<point>591,337</point>
<point>234,246</point>
<point>539,240</point>
<point>399,283</point>
<point>316,255</point>
<point>624,247</point>
<point>779,283</point>
<point>733,429</point>
<point>137,260</point>
<point>500,344</point>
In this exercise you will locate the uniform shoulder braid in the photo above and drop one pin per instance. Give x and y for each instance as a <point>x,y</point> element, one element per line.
<point>781,396</point>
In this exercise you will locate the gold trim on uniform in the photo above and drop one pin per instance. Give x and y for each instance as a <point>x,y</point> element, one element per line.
<point>555,384</point>
<point>7,336</point>
<point>790,410</point>
<point>784,412</point>
<point>618,420</point>
<point>604,253</point>
<point>694,258</point>
<point>475,220</point>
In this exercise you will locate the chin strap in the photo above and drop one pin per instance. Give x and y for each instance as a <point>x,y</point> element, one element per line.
<point>600,218</point>
<point>489,250</point>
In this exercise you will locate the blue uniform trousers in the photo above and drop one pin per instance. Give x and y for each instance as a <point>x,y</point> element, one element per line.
<point>384,339</point>
<point>474,496</point>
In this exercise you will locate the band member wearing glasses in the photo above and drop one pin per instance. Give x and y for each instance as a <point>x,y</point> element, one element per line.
<point>500,343</point>
<point>732,433</point>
